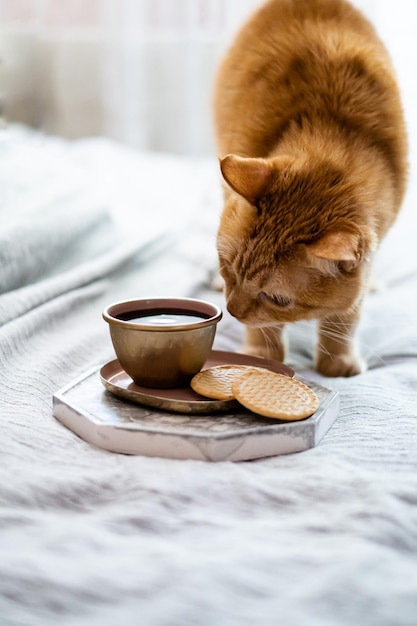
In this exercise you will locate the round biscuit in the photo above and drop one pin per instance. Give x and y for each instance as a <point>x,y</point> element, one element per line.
<point>216,382</point>
<point>274,395</point>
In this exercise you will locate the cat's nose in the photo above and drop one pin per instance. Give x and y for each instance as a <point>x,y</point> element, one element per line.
<point>237,307</point>
<point>230,308</point>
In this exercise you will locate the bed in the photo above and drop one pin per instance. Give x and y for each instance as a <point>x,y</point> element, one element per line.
<point>327,536</point>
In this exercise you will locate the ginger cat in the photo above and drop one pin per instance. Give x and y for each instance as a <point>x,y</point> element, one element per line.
<point>310,129</point>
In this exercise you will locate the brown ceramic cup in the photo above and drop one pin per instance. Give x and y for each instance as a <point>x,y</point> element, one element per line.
<point>162,342</point>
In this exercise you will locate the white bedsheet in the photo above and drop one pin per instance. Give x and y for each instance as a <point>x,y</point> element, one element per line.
<point>326,537</point>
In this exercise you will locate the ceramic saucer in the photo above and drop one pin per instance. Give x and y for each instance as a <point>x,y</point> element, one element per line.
<point>182,399</point>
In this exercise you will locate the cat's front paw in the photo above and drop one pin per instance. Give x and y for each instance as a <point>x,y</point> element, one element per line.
<point>342,365</point>
<point>257,343</point>
<point>264,352</point>
<point>276,352</point>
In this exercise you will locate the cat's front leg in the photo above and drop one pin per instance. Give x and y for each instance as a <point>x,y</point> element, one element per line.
<point>337,353</point>
<point>266,342</point>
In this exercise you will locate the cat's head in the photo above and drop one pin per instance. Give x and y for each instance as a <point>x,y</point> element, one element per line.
<point>293,242</point>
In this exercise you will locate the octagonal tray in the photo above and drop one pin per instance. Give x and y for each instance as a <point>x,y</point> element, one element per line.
<point>119,425</point>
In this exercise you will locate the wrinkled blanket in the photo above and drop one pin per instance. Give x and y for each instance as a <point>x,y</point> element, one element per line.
<point>323,537</point>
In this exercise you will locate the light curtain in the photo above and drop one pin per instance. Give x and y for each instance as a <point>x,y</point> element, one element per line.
<point>161,59</point>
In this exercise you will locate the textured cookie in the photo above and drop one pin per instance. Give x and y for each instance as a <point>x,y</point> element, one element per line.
<point>216,382</point>
<point>274,395</point>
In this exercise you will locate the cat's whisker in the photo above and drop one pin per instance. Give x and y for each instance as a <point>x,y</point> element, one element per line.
<point>336,335</point>
<point>322,348</point>
<point>367,349</point>
<point>270,334</point>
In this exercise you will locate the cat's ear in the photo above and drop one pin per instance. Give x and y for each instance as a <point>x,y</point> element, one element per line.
<point>337,246</point>
<point>249,177</point>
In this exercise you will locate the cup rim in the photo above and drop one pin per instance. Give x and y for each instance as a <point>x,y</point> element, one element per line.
<point>195,305</point>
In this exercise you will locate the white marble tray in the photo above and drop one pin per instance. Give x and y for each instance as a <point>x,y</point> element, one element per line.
<point>115,424</point>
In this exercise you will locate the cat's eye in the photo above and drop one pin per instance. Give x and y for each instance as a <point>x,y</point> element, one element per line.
<point>276,299</point>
